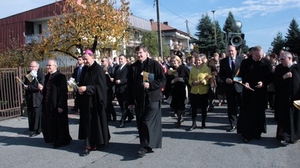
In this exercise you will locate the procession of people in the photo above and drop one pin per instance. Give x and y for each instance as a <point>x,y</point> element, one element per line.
<point>143,85</point>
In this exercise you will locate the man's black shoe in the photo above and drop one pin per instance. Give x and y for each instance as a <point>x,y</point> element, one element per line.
<point>122,124</point>
<point>231,129</point>
<point>130,119</point>
<point>148,149</point>
<point>85,152</point>
<point>33,134</point>
<point>246,140</point>
<point>192,127</point>
<point>141,152</point>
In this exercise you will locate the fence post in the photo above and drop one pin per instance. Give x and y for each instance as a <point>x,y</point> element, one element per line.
<point>23,109</point>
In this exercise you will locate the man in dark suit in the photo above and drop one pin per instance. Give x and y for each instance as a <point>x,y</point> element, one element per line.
<point>76,75</point>
<point>121,92</point>
<point>229,69</point>
<point>109,74</point>
<point>34,99</point>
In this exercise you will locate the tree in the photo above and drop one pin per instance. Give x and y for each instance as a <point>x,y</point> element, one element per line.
<point>86,24</point>
<point>205,35</point>
<point>278,43</point>
<point>230,26</point>
<point>220,39</point>
<point>293,37</point>
<point>150,39</point>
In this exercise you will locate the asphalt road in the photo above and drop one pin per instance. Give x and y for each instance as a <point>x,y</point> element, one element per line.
<point>210,147</point>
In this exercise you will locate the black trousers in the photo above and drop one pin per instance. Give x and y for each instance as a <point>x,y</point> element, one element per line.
<point>233,105</point>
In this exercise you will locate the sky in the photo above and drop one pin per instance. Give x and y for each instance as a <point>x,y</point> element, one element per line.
<point>261,20</point>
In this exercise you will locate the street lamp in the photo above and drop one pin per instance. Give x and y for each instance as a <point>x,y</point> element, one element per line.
<point>238,24</point>
<point>213,11</point>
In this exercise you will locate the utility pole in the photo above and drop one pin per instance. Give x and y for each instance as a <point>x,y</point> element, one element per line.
<point>159,30</point>
<point>215,31</point>
<point>188,31</point>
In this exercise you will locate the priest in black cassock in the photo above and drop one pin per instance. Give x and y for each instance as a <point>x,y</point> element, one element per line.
<point>287,83</point>
<point>93,127</point>
<point>55,124</point>
<point>256,73</point>
<point>145,81</point>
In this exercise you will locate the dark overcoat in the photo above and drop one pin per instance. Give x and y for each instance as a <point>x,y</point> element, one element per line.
<point>179,88</point>
<point>93,127</point>
<point>55,125</point>
<point>147,101</point>
<point>286,91</point>
<point>252,118</point>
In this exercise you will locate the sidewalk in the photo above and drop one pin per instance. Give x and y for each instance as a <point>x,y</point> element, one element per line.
<point>210,147</point>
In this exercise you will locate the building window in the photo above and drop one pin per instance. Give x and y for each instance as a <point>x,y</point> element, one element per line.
<point>40,29</point>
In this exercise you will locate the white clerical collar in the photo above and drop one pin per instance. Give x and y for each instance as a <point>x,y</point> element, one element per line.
<point>122,66</point>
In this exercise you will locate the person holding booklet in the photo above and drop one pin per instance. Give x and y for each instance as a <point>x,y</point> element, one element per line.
<point>33,87</point>
<point>229,71</point>
<point>144,96</point>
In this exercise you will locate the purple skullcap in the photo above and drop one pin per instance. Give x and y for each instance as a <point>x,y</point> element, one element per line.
<point>89,52</point>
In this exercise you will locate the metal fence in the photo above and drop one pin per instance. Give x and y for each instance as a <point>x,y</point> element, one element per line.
<point>11,91</point>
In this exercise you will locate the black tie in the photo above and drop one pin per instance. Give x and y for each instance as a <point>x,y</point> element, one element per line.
<point>79,73</point>
<point>232,65</point>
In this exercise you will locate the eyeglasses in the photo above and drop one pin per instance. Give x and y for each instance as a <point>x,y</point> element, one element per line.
<point>286,48</point>
<point>49,65</point>
<point>281,59</point>
<point>102,61</point>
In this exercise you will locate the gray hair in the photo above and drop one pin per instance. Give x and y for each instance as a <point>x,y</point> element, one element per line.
<point>37,64</point>
<point>54,62</point>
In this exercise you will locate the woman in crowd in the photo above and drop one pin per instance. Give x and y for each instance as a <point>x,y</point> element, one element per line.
<point>220,90</point>
<point>199,81</point>
<point>211,63</point>
<point>178,87</point>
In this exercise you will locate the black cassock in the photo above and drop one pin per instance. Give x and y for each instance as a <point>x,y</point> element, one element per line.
<point>147,101</point>
<point>55,125</point>
<point>252,118</point>
<point>93,127</point>
<point>286,91</point>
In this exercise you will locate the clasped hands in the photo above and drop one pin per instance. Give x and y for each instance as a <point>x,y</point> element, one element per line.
<point>287,75</point>
<point>81,89</point>
<point>202,81</point>
<point>259,85</point>
<point>146,85</point>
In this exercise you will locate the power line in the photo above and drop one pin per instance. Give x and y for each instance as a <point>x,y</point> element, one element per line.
<point>176,14</point>
<point>150,4</point>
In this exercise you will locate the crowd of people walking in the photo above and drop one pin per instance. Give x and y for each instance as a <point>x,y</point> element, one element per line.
<point>141,85</point>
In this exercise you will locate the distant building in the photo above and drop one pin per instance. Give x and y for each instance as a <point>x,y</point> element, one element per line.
<point>173,36</point>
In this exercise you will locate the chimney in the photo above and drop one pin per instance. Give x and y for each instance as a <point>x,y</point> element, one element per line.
<point>151,21</point>
<point>166,23</point>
